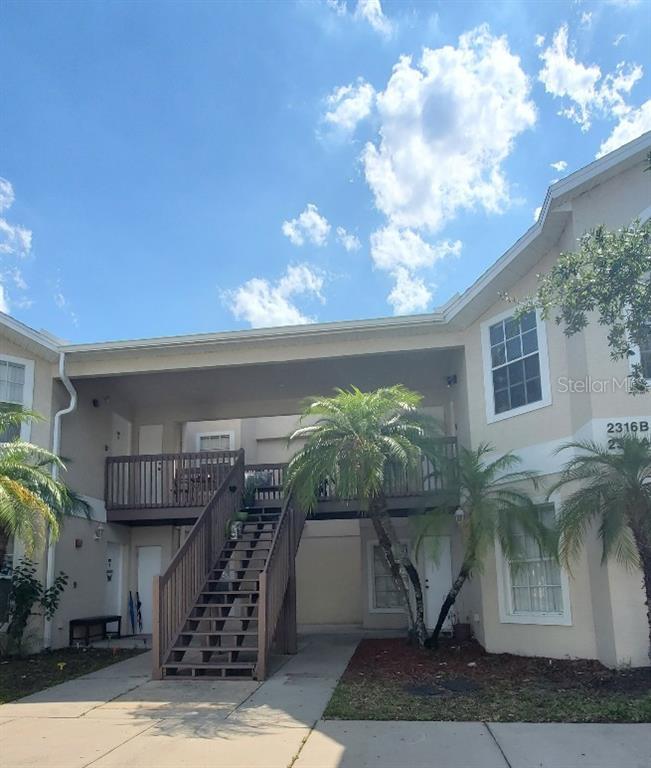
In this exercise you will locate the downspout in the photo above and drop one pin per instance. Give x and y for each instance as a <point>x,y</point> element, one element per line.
<point>56,450</point>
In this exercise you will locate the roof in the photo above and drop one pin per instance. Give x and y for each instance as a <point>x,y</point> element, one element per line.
<point>458,312</point>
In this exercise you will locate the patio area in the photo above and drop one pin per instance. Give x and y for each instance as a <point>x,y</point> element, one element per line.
<point>119,717</point>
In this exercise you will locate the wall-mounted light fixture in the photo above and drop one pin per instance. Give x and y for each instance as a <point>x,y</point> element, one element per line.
<point>459,515</point>
<point>99,532</point>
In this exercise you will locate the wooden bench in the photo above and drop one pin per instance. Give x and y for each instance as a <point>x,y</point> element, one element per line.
<point>93,622</point>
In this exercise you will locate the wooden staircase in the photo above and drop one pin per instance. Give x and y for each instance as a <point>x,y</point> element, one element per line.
<point>222,603</point>
<point>220,636</point>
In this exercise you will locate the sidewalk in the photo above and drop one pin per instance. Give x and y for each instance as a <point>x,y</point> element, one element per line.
<point>119,718</point>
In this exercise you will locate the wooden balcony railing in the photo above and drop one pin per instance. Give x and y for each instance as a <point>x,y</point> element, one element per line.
<point>166,480</point>
<point>277,601</point>
<point>424,480</point>
<point>176,590</point>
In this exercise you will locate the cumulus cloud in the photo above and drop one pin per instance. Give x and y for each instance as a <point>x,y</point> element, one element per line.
<point>618,39</point>
<point>349,104</point>
<point>309,226</point>
<point>265,304</point>
<point>371,11</point>
<point>590,94</point>
<point>15,243</point>
<point>586,19</point>
<point>401,253</point>
<point>633,124</point>
<point>447,125</point>
<point>559,165</point>
<point>348,240</point>
<point>409,293</point>
<point>539,41</point>
<point>536,213</point>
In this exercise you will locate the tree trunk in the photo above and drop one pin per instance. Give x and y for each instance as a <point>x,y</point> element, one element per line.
<point>402,569</point>
<point>449,601</point>
<point>644,550</point>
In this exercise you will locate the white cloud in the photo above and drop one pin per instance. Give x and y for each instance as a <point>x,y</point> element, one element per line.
<point>265,304</point>
<point>586,19</point>
<point>371,11</point>
<point>15,243</point>
<point>559,165</point>
<point>447,125</point>
<point>539,41</point>
<point>392,248</point>
<point>618,39</point>
<point>348,240</point>
<point>7,196</point>
<point>401,253</point>
<point>590,94</point>
<point>624,3</point>
<point>309,226</point>
<point>338,6</point>
<point>633,124</point>
<point>349,104</point>
<point>536,214</point>
<point>409,294</point>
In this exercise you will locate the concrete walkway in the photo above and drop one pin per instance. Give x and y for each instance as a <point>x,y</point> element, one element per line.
<point>118,718</point>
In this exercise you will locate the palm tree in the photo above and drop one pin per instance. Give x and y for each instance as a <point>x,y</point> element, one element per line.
<point>30,499</point>
<point>490,508</point>
<point>360,442</point>
<point>614,492</point>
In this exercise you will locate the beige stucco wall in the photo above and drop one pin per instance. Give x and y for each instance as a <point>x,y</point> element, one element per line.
<point>328,570</point>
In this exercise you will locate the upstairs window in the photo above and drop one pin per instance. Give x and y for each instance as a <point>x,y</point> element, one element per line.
<point>515,360</point>
<point>13,391</point>
<point>216,441</point>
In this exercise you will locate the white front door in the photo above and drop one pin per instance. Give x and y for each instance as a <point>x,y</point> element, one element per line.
<point>149,565</point>
<point>113,603</point>
<point>437,570</point>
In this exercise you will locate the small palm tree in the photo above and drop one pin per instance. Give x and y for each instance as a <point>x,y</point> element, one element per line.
<point>30,499</point>
<point>490,509</point>
<point>360,442</point>
<point>613,490</point>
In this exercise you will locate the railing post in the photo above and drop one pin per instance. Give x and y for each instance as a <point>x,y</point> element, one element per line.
<point>157,671</point>
<point>291,639</point>
<point>261,669</point>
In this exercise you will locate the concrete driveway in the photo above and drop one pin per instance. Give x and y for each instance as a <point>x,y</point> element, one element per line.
<point>117,717</point>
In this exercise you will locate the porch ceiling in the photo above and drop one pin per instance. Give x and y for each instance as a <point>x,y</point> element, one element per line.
<point>275,388</point>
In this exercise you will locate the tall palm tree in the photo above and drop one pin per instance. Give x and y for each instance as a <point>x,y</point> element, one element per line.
<point>490,508</point>
<point>30,499</point>
<point>612,488</point>
<point>362,441</point>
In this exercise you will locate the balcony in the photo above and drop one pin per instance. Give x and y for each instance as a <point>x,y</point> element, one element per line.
<point>175,487</point>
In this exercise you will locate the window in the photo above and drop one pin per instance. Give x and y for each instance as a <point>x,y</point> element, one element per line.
<point>215,441</point>
<point>384,597</point>
<point>534,585</point>
<point>515,359</point>
<point>16,383</point>
<point>645,357</point>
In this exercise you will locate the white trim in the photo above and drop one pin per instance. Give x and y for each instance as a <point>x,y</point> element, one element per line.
<point>28,390</point>
<point>370,572</point>
<point>543,357</point>
<point>645,215</point>
<point>218,433</point>
<point>505,597</point>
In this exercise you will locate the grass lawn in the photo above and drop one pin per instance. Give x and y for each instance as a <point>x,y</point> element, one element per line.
<point>390,680</point>
<point>28,674</point>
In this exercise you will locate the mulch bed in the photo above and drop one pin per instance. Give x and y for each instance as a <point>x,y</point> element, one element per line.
<point>22,675</point>
<point>390,679</point>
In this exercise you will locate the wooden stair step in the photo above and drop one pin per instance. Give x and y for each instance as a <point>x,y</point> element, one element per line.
<point>209,664</point>
<point>226,605</point>
<point>241,592</point>
<point>217,633</point>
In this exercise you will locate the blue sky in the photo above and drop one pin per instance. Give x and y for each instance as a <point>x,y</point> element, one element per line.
<point>185,167</point>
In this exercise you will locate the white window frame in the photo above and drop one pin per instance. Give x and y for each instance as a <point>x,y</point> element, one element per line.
<point>28,390</point>
<point>543,358</point>
<point>370,568</point>
<point>505,596</point>
<point>217,433</point>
